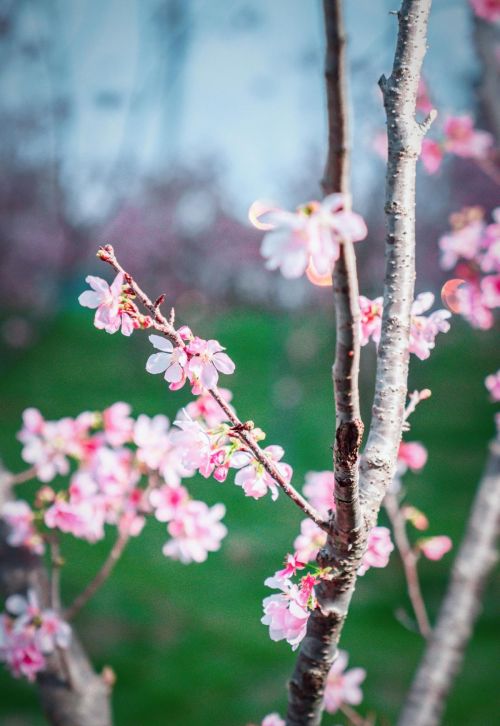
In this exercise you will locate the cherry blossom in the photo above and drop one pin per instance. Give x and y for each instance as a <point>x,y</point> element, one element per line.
<point>432,155</point>
<point>252,476</point>
<point>81,519</point>
<point>170,361</point>
<point>19,518</point>
<point>46,444</point>
<point>206,408</point>
<point>490,289</point>
<point>196,530</point>
<point>423,329</point>
<point>207,359</point>
<point>319,489</point>
<point>310,540</point>
<point>371,319</point>
<point>343,686</point>
<point>286,613</point>
<point>310,236</point>
<point>434,548</point>
<point>492,383</point>
<point>464,140</point>
<point>415,517</point>
<point>117,423</point>
<point>193,444</point>
<point>378,549</point>
<point>19,652</point>
<point>464,242</point>
<point>471,305</point>
<point>167,500</point>
<point>110,315</point>
<point>487,9</point>
<point>412,455</point>
<point>272,719</point>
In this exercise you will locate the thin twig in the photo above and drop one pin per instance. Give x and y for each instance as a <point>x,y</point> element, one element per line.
<point>354,717</point>
<point>409,560</point>
<point>55,572</point>
<point>164,326</point>
<point>22,477</point>
<point>100,578</point>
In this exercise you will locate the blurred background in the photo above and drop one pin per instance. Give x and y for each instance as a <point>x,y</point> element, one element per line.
<point>153,125</point>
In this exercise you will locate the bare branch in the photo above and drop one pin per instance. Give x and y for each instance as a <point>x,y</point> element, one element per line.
<point>444,653</point>
<point>409,560</point>
<point>404,141</point>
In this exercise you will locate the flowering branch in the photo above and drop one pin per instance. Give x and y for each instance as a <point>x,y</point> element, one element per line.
<point>445,649</point>
<point>242,431</point>
<point>69,689</point>
<point>22,477</point>
<point>409,560</point>
<point>404,139</point>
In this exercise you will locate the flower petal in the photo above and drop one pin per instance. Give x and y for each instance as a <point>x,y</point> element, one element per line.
<point>161,343</point>
<point>157,363</point>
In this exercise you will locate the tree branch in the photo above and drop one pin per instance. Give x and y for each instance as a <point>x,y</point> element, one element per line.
<point>69,689</point>
<point>444,652</point>
<point>404,142</point>
<point>346,543</point>
<point>241,431</point>
<point>409,560</point>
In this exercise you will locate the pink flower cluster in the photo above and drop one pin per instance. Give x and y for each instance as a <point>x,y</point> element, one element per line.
<point>287,612</point>
<point>473,249</point>
<point>492,383</point>
<point>199,361</point>
<point>423,330</point>
<point>28,633</point>
<point>311,236</point>
<point>112,303</point>
<point>108,456</point>
<point>434,548</point>
<point>459,137</point>
<point>343,686</point>
<point>487,9</point>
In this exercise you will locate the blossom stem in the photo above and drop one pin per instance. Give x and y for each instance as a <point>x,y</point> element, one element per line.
<point>100,578</point>
<point>22,477</point>
<point>164,326</point>
<point>55,572</point>
<point>409,560</point>
<point>354,717</point>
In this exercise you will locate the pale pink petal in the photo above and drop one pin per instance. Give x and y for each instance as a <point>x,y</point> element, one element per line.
<point>157,363</point>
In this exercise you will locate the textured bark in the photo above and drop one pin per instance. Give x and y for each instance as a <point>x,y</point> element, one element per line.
<point>404,142</point>
<point>445,650</point>
<point>347,542</point>
<point>71,693</point>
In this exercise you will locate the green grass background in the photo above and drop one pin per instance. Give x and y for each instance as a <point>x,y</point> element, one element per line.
<point>185,642</point>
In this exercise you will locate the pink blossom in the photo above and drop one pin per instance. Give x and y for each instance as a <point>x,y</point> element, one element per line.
<point>81,519</point>
<point>170,361</point>
<point>272,719</point>
<point>156,448</point>
<point>423,330</point>
<point>463,140</point>
<point>371,319</point>
<point>46,444</point>
<point>490,289</point>
<point>462,243</point>
<point>193,444</point>
<point>292,564</point>
<point>167,500</point>
<point>252,476</point>
<point>343,686</point>
<point>286,614</point>
<point>117,424</point>
<point>19,651</point>
<point>487,9</point>
<point>492,383</point>
<point>491,242</point>
<point>206,408</point>
<point>19,518</point>
<point>378,549</point>
<point>423,101</point>
<point>310,540</point>
<point>431,155</point>
<point>412,454</point>
<point>470,304</point>
<point>319,489</point>
<point>195,530</point>
<point>434,548</point>
<point>312,235</point>
<point>208,359</point>
<point>107,299</point>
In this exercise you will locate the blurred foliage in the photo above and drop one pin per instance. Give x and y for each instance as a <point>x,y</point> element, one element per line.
<point>185,641</point>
